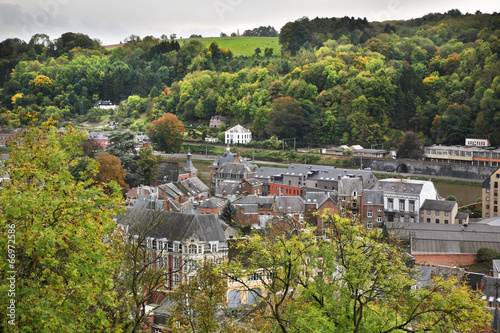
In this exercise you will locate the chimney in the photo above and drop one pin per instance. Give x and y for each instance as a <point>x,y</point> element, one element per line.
<point>238,154</point>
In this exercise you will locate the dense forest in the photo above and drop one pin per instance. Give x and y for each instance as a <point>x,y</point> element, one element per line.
<point>335,81</point>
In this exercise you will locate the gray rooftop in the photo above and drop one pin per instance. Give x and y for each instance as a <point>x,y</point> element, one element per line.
<point>396,185</point>
<point>446,242</point>
<point>373,197</point>
<point>194,186</point>
<point>228,187</point>
<point>265,202</point>
<point>176,226</point>
<point>289,204</point>
<point>236,169</point>
<point>348,186</point>
<point>441,205</point>
<point>313,172</point>
<point>213,202</point>
<point>226,157</point>
<point>253,182</point>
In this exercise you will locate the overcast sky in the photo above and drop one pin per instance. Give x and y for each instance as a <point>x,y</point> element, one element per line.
<point>113,21</point>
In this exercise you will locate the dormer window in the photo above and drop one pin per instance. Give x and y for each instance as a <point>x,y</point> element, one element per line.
<point>192,249</point>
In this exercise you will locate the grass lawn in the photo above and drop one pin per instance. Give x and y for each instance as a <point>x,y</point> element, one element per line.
<point>244,46</point>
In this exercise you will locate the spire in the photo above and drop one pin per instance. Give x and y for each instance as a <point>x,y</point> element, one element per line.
<point>189,164</point>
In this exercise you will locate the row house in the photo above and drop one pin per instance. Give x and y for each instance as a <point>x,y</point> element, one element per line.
<point>442,211</point>
<point>290,181</point>
<point>373,209</point>
<point>251,187</point>
<point>403,198</point>
<point>350,194</point>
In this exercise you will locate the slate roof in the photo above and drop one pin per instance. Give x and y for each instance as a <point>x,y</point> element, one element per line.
<point>253,182</point>
<point>194,186</point>
<point>496,265</point>
<point>228,187</point>
<point>313,172</point>
<point>396,185</point>
<point>177,226</point>
<point>423,276</point>
<point>250,209</point>
<point>213,202</point>
<point>347,186</point>
<point>491,290</point>
<point>175,205</point>
<point>313,197</point>
<point>289,204</point>
<point>403,229</point>
<point>189,163</point>
<point>462,216</point>
<point>373,197</point>
<point>492,221</point>
<point>171,190</point>
<point>329,196</point>
<point>441,205</point>
<point>445,242</point>
<point>235,169</point>
<point>226,157</point>
<point>263,202</point>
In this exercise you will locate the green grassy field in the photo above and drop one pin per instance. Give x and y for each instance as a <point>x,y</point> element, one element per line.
<point>244,46</point>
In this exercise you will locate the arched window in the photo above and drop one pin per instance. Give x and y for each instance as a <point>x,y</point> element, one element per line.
<point>192,249</point>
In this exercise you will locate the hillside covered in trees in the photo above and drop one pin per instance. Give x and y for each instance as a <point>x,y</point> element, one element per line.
<point>336,81</point>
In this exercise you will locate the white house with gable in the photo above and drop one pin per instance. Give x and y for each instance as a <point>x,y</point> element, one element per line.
<point>238,134</point>
<point>403,198</point>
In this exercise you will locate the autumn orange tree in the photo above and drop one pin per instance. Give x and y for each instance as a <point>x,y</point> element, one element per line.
<point>110,168</point>
<point>167,133</point>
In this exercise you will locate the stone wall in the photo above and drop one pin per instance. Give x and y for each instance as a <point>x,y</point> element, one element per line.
<point>418,167</point>
<point>169,172</point>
